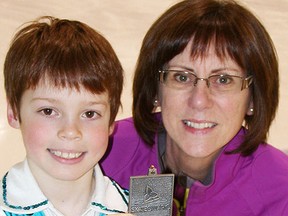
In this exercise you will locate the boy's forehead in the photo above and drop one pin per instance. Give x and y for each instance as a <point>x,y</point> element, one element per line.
<point>62,94</point>
<point>47,86</point>
<point>61,84</point>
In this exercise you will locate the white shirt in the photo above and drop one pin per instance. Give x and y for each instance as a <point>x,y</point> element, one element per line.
<point>20,194</point>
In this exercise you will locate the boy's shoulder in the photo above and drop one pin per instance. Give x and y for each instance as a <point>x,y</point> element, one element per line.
<point>14,184</point>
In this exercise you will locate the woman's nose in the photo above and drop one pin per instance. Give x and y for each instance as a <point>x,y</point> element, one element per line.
<point>200,96</point>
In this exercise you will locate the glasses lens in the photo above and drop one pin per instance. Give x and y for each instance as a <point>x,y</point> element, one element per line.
<point>218,84</point>
<point>178,79</point>
<point>224,83</point>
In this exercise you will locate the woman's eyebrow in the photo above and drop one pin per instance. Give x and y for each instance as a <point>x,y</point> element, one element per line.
<point>184,68</point>
<point>227,69</point>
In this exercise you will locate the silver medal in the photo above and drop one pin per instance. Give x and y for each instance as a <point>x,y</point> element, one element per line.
<point>151,194</point>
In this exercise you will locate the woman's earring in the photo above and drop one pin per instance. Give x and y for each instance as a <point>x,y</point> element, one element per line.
<point>156,103</point>
<point>250,111</point>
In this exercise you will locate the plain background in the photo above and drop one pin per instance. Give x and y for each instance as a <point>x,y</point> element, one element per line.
<point>124,24</point>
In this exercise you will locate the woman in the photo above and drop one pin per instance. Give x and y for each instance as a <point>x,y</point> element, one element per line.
<point>211,67</point>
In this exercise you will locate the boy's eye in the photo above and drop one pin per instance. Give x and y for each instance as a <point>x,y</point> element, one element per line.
<point>47,111</point>
<point>90,114</point>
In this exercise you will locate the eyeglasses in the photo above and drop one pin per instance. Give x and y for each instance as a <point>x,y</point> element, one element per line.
<point>218,83</point>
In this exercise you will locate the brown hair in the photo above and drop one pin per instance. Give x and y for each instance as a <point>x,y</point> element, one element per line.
<point>67,53</point>
<point>233,30</point>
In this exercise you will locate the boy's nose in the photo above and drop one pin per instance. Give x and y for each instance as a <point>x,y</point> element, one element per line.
<point>70,131</point>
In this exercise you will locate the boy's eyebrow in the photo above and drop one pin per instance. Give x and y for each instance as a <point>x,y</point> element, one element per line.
<point>53,100</point>
<point>101,102</point>
<point>43,98</point>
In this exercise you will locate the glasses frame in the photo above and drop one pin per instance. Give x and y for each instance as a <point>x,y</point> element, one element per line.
<point>246,81</point>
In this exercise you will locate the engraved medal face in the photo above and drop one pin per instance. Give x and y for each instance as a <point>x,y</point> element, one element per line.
<point>151,195</point>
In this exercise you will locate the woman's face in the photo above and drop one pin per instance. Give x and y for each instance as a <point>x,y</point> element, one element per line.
<point>200,120</point>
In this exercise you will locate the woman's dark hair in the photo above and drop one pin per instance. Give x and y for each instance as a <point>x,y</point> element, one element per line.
<point>234,31</point>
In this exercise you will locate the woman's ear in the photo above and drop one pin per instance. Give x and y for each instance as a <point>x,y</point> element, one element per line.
<point>12,117</point>
<point>250,110</point>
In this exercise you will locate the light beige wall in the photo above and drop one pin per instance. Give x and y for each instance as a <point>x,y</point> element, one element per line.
<point>124,24</point>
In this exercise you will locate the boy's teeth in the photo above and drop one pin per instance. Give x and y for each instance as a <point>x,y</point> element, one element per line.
<point>198,125</point>
<point>66,155</point>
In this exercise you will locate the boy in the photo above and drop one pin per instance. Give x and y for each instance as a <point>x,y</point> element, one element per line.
<point>63,83</point>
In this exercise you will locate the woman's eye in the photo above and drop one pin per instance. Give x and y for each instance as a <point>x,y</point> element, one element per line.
<point>90,114</point>
<point>224,79</point>
<point>181,78</point>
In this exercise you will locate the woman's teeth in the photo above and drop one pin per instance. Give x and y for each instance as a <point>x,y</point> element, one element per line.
<point>199,125</point>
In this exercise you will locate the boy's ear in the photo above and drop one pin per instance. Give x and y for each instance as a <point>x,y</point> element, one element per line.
<point>111,128</point>
<point>12,117</point>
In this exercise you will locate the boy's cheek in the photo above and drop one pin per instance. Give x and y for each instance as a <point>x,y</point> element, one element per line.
<point>35,134</point>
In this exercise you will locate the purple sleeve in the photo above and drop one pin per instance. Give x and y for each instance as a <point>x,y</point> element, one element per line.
<point>127,155</point>
<point>270,173</point>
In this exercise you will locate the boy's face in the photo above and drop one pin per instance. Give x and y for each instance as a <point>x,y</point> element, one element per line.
<point>65,132</point>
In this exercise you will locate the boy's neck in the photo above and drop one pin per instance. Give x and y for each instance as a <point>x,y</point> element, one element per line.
<point>68,197</point>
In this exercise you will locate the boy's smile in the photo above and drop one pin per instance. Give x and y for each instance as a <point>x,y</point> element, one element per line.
<point>65,155</point>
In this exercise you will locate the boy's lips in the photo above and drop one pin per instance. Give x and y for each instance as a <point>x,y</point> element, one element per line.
<point>66,155</point>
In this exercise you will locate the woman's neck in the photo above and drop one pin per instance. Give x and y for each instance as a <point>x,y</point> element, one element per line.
<point>180,163</point>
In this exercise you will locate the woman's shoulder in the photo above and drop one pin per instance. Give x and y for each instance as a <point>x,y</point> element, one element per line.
<point>264,169</point>
<point>268,154</point>
<point>270,174</point>
<point>269,163</point>
<point>263,180</point>
<point>124,135</point>
<point>125,125</point>
<point>124,140</point>
<point>127,153</point>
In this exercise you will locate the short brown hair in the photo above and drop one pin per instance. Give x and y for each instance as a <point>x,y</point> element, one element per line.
<point>235,31</point>
<point>68,53</point>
